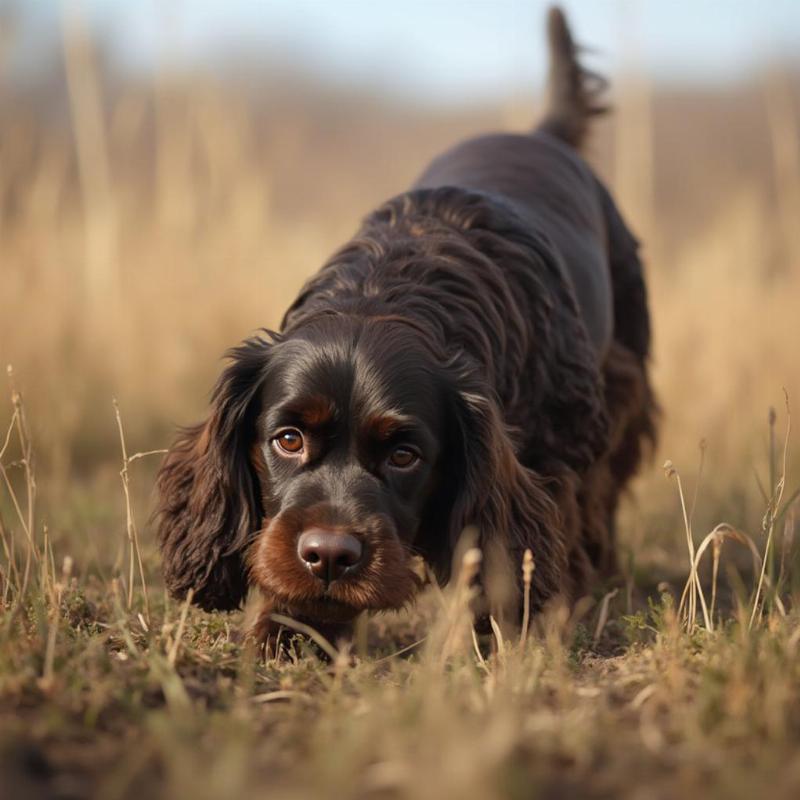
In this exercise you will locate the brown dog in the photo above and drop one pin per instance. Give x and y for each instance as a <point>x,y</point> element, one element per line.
<point>476,355</point>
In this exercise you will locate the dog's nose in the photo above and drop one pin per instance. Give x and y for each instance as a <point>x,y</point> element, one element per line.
<point>329,554</point>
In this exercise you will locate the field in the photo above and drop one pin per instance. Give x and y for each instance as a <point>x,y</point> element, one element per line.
<point>145,228</point>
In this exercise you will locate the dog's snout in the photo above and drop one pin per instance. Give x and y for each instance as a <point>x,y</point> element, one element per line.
<point>329,554</point>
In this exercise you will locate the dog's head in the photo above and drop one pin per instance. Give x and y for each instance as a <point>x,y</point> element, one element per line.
<point>315,472</point>
<point>348,448</point>
<point>367,433</point>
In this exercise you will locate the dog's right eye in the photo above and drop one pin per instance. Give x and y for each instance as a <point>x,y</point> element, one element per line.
<point>290,441</point>
<point>403,457</point>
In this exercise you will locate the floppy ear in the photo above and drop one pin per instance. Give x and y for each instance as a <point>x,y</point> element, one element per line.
<point>485,486</point>
<point>209,505</point>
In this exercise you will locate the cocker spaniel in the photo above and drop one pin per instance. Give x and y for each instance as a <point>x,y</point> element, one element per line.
<point>475,356</point>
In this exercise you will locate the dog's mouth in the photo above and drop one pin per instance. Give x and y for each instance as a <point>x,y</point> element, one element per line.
<point>324,610</point>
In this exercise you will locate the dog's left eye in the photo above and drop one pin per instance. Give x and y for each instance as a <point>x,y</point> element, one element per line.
<point>403,457</point>
<point>290,441</point>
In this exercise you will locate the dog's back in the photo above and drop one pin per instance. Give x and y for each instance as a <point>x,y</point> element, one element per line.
<point>542,175</point>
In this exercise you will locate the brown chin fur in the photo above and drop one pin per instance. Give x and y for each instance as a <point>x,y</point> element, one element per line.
<point>386,580</point>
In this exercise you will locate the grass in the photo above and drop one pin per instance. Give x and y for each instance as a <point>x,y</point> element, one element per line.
<point>127,276</point>
<point>108,689</point>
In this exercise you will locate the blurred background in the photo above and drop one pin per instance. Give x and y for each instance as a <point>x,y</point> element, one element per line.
<point>172,171</point>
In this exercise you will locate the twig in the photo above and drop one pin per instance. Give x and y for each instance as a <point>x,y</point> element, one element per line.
<point>173,651</point>
<point>307,630</point>
<point>769,516</point>
<point>146,453</point>
<point>602,618</point>
<point>130,523</point>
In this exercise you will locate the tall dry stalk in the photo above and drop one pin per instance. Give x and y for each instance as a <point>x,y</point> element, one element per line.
<point>715,539</point>
<point>176,187</point>
<point>135,552</point>
<point>693,590</point>
<point>634,159</point>
<point>784,133</point>
<point>771,517</point>
<point>26,517</point>
<point>54,590</point>
<point>94,167</point>
<point>453,630</point>
<point>528,567</point>
<point>8,29</point>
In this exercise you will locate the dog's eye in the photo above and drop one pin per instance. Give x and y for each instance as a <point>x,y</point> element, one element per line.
<point>290,441</point>
<point>403,457</point>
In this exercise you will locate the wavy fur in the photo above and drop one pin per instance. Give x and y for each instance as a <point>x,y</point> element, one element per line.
<point>468,303</point>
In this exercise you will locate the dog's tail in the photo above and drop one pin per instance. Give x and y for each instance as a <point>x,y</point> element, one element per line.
<point>573,91</point>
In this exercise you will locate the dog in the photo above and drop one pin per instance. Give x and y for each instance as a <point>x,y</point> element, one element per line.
<point>475,357</point>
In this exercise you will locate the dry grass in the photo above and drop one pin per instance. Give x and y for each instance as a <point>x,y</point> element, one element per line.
<point>104,693</point>
<point>128,276</point>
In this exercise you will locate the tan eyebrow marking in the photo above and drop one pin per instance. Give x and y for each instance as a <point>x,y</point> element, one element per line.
<point>316,411</point>
<point>384,425</point>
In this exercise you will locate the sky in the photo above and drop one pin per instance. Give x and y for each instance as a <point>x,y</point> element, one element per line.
<point>441,50</point>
